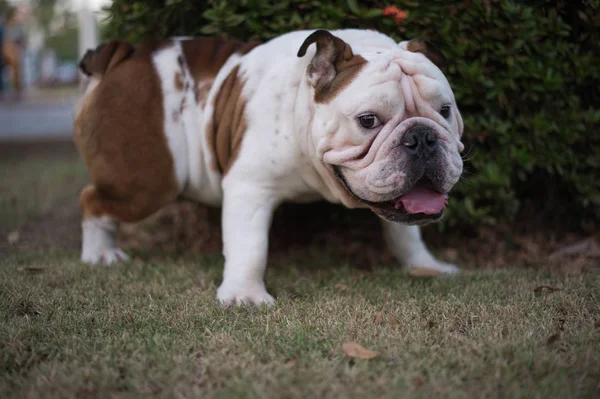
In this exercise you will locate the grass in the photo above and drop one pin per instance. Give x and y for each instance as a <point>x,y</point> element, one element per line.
<point>32,183</point>
<point>153,328</point>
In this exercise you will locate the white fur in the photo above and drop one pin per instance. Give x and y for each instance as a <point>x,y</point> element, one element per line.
<point>98,243</point>
<point>247,212</point>
<point>165,62</point>
<point>204,184</point>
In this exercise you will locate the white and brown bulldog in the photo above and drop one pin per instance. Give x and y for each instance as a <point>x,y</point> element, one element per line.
<point>350,116</point>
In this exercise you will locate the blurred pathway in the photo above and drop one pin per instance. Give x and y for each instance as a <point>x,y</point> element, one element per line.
<point>42,114</point>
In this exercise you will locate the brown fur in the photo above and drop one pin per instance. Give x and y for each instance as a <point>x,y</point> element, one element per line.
<point>119,132</point>
<point>331,52</point>
<point>178,81</point>
<point>105,57</point>
<point>226,132</point>
<point>430,51</point>
<point>206,56</point>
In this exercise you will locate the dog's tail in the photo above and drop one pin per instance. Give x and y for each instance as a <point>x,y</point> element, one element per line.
<point>105,57</point>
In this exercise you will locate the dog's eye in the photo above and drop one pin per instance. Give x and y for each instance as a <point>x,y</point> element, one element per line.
<point>368,121</point>
<point>445,111</point>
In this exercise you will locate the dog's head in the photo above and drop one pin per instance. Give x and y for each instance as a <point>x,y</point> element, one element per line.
<point>386,125</point>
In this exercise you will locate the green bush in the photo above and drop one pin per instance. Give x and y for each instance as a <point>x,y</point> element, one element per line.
<point>526,75</point>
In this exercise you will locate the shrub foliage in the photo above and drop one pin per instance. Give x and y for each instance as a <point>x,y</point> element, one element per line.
<point>526,75</point>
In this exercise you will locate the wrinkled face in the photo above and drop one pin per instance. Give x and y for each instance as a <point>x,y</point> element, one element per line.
<point>392,137</point>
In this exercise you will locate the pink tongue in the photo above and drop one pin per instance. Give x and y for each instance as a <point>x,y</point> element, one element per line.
<point>423,200</point>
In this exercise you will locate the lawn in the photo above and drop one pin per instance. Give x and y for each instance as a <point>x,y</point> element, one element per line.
<point>153,327</point>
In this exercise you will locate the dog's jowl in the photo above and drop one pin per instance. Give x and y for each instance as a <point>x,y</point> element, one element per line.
<point>349,116</point>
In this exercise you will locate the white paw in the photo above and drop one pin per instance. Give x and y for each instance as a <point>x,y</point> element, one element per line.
<point>432,268</point>
<point>427,265</point>
<point>244,294</point>
<point>107,257</point>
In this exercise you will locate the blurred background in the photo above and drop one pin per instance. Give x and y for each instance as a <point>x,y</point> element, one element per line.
<point>526,75</point>
<point>41,42</point>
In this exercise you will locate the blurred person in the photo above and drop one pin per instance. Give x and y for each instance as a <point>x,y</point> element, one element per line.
<point>1,55</point>
<point>12,43</point>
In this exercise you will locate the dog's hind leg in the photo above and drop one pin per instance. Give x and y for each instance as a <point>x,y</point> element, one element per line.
<point>98,239</point>
<point>101,216</point>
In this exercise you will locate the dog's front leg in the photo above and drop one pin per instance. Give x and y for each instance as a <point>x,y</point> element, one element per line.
<point>408,248</point>
<point>247,214</point>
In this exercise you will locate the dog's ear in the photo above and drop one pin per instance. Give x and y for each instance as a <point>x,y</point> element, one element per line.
<point>428,49</point>
<point>105,57</point>
<point>332,66</point>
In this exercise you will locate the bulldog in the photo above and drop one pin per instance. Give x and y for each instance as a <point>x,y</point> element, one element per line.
<point>349,116</point>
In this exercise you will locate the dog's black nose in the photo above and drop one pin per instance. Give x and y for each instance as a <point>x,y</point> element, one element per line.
<point>420,141</point>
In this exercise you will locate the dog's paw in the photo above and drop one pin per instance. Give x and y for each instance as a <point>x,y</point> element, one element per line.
<point>426,265</point>
<point>230,294</point>
<point>106,257</point>
<point>435,268</point>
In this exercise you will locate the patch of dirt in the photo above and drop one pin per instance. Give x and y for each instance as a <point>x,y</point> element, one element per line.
<point>356,235</point>
<point>186,228</point>
<point>59,229</point>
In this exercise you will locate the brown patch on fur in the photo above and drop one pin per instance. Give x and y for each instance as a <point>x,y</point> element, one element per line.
<point>429,50</point>
<point>206,56</point>
<point>90,205</point>
<point>333,57</point>
<point>120,135</point>
<point>346,72</point>
<point>178,81</point>
<point>105,57</point>
<point>229,124</point>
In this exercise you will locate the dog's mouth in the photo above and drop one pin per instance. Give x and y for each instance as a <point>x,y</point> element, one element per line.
<point>421,204</point>
<point>422,198</point>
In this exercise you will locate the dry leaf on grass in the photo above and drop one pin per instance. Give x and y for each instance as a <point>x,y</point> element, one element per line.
<point>378,318</point>
<point>354,350</point>
<point>13,237</point>
<point>424,272</point>
<point>547,287</point>
<point>393,320</point>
